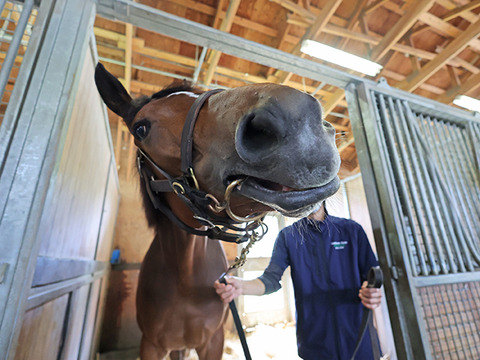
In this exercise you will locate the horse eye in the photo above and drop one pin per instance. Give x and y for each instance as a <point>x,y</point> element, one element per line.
<point>141,130</point>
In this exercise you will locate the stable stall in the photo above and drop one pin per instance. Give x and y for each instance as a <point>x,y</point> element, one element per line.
<point>72,229</point>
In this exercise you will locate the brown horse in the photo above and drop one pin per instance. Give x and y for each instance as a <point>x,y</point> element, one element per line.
<point>227,154</point>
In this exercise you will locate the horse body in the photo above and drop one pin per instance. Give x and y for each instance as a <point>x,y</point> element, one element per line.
<point>268,140</point>
<point>177,307</point>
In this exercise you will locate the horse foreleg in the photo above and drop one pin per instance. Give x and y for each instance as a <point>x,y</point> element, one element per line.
<point>149,351</point>
<point>213,349</point>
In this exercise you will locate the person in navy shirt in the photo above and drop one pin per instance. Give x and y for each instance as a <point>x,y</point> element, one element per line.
<point>329,259</point>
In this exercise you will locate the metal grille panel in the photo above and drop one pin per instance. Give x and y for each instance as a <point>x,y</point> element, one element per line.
<point>16,23</point>
<point>420,163</point>
<point>437,181</point>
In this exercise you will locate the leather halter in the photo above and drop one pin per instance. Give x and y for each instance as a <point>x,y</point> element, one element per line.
<point>186,187</point>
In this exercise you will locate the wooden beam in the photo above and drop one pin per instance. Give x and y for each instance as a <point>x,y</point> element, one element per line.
<point>345,144</point>
<point>309,15</point>
<point>375,39</point>
<point>128,79</point>
<point>467,15</point>
<point>454,76</point>
<point>320,22</point>
<point>211,11</point>
<point>472,83</point>
<point>353,21</point>
<point>216,21</point>
<point>461,10</point>
<point>226,25</point>
<point>400,28</point>
<point>445,28</point>
<point>398,77</point>
<point>312,33</point>
<point>375,6</point>
<point>297,9</point>
<point>333,101</point>
<point>139,46</point>
<point>455,47</point>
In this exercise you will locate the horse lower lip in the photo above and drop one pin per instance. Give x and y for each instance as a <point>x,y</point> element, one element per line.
<point>288,201</point>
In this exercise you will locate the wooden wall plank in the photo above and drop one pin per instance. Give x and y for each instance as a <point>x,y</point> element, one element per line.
<point>73,335</point>
<point>109,216</point>
<point>71,220</point>
<point>42,330</point>
<point>90,321</point>
<point>39,111</point>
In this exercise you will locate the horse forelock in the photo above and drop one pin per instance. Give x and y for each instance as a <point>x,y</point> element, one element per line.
<point>173,88</point>
<point>141,101</point>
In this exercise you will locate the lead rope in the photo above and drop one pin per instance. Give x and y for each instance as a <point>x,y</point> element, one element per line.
<point>375,280</point>
<point>239,262</point>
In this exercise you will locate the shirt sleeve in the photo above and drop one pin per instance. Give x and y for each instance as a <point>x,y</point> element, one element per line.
<point>278,263</point>
<point>366,256</point>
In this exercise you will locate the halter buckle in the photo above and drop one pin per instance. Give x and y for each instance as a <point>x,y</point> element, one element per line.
<point>191,179</point>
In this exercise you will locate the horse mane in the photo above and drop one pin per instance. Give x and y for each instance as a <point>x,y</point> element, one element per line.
<point>156,218</point>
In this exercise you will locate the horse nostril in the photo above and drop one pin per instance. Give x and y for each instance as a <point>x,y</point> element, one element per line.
<point>328,127</point>
<point>258,134</point>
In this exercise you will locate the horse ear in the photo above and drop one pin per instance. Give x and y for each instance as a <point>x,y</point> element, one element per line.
<point>112,91</point>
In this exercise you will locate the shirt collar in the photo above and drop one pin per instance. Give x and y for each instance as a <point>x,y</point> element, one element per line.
<point>317,223</point>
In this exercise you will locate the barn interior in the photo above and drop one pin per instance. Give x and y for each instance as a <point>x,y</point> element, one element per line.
<point>429,48</point>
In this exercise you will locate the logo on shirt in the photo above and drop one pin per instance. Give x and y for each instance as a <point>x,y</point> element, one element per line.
<point>339,245</point>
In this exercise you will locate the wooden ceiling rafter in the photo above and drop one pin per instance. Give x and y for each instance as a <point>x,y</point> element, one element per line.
<point>400,28</point>
<point>387,42</point>
<point>353,21</point>
<point>237,20</point>
<point>427,33</point>
<point>453,49</point>
<point>374,6</point>
<point>383,46</point>
<point>463,11</point>
<point>472,83</point>
<point>160,55</point>
<point>374,39</point>
<point>467,14</point>
<point>226,25</point>
<point>312,33</point>
<point>333,29</point>
<point>445,29</point>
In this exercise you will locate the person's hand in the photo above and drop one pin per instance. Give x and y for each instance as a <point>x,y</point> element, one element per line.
<point>230,291</point>
<point>371,297</point>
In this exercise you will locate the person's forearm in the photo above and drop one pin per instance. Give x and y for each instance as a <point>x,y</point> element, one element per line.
<point>253,287</point>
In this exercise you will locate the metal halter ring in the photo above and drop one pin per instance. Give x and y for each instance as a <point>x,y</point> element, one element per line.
<point>191,175</point>
<point>228,191</point>
<point>178,188</point>
<point>217,206</point>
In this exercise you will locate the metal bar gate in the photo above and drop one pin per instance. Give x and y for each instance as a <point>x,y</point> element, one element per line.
<point>420,166</point>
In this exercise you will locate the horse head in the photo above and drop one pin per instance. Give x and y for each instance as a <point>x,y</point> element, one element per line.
<point>270,137</point>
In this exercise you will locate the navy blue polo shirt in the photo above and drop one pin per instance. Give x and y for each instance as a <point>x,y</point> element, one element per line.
<point>329,261</point>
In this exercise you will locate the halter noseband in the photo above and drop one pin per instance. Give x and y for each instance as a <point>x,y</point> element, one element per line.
<point>203,205</point>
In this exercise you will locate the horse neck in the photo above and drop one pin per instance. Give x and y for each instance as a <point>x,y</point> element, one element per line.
<point>186,250</point>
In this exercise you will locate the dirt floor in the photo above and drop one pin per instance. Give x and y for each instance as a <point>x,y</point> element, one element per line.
<point>265,342</point>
